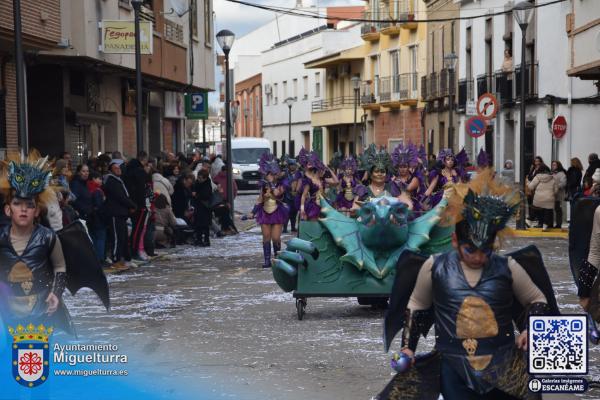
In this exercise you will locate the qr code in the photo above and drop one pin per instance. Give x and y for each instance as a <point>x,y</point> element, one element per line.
<point>558,344</point>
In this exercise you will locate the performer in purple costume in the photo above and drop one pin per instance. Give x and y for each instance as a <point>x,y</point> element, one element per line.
<point>313,184</point>
<point>452,172</point>
<point>270,211</point>
<point>292,178</point>
<point>350,189</point>
<point>405,160</point>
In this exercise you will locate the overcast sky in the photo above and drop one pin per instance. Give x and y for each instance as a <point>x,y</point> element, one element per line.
<point>242,19</point>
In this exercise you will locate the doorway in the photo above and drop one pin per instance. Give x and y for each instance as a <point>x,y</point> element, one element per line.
<point>154,130</point>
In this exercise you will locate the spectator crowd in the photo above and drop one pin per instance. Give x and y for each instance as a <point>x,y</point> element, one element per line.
<point>132,207</point>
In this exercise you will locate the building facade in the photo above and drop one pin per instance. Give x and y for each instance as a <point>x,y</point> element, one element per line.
<point>438,86</point>
<point>395,61</point>
<point>248,95</point>
<point>83,100</point>
<point>490,54</point>
<point>41,30</point>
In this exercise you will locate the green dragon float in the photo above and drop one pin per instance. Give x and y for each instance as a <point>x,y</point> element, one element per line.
<point>339,256</point>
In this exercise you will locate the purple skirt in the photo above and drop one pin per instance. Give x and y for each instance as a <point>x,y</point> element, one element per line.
<point>312,209</point>
<point>341,202</point>
<point>277,217</point>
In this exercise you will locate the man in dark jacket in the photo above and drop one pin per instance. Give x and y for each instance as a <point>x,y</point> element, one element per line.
<point>593,163</point>
<point>118,207</point>
<point>136,180</point>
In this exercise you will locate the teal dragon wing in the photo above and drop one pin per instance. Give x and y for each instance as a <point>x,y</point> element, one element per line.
<point>425,235</point>
<point>345,233</point>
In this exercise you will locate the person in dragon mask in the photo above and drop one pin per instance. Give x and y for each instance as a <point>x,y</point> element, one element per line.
<point>473,296</point>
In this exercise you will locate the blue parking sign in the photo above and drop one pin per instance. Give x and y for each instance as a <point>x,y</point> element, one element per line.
<point>196,105</point>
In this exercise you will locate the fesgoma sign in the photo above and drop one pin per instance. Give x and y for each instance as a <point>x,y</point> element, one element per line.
<point>118,37</point>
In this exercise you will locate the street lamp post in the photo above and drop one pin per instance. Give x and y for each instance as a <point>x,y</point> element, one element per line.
<point>225,39</point>
<point>139,134</point>
<point>20,75</point>
<point>522,13</point>
<point>356,86</point>
<point>450,64</point>
<point>289,101</point>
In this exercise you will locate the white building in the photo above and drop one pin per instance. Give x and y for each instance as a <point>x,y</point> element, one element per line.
<point>550,92</point>
<point>284,76</point>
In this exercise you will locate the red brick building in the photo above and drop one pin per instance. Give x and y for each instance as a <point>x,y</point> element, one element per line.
<point>248,94</point>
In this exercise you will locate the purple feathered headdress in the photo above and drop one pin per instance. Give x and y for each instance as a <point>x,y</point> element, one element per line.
<point>405,156</point>
<point>310,160</point>
<point>462,158</point>
<point>348,163</point>
<point>268,164</point>
<point>443,153</point>
<point>483,159</point>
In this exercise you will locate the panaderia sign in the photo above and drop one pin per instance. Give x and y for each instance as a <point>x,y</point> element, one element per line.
<point>118,37</point>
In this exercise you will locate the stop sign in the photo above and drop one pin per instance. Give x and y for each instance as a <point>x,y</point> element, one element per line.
<point>559,127</point>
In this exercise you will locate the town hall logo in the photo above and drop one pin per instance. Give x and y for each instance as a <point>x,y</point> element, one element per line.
<point>30,354</point>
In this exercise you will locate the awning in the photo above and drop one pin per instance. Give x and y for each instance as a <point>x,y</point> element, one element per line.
<point>354,54</point>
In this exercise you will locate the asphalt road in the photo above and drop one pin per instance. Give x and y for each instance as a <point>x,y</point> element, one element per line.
<point>217,312</point>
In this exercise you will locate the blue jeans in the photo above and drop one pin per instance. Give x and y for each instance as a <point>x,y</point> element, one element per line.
<point>99,239</point>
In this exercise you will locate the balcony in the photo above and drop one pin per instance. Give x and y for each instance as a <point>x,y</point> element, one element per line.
<point>369,31</point>
<point>433,87</point>
<point>424,87</point>
<point>333,111</point>
<point>409,91</point>
<point>403,12</point>
<point>368,94</point>
<point>331,104</point>
<point>504,87</point>
<point>443,91</point>
<point>531,81</point>
<point>485,84</point>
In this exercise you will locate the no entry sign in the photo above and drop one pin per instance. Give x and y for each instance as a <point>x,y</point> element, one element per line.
<point>487,106</point>
<point>559,127</point>
<point>476,127</point>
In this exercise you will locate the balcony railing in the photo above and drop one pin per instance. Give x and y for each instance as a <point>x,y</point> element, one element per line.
<point>173,31</point>
<point>334,103</point>
<point>433,87</point>
<point>368,91</point>
<point>370,27</point>
<point>385,89</point>
<point>531,81</point>
<point>443,83</point>
<point>485,84</point>
<point>424,87</point>
<point>409,86</point>
<point>504,86</point>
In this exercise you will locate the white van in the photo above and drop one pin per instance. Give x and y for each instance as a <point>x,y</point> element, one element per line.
<point>245,153</point>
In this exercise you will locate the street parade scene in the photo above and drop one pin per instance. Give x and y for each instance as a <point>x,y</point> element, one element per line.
<point>296,199</point>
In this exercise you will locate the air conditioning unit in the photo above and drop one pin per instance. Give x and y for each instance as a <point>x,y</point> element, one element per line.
<point>344,70</point>
<point>332,74</point>
<point>268,89</point>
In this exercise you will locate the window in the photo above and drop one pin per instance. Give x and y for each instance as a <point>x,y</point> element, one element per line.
<point>413,65</point>
<point>292,148</point>
<point>207,22</point>
<point>283,149</point>
<point>285,92</point>
<point>267,99</point>
<point>275,93</point>
<point>395,70</point>
<point>194,17</point>
<point>317,84</point>
<point>295,88</point>
<point>275,148</point>
<point>257,107</point>
<point>305,86</point>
